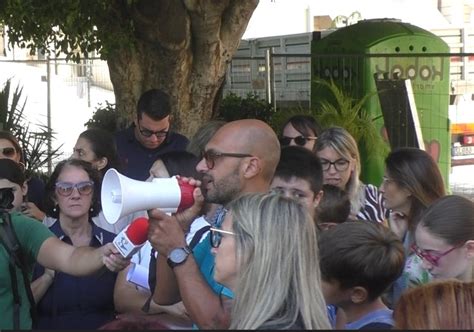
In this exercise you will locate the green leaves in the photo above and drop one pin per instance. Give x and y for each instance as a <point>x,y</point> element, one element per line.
<point>341,109</point>
<point>252,106</point>
<point>33,143</point>
<point>73,28</point>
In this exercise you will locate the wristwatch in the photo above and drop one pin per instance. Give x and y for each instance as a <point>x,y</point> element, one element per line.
<point>178,256</point>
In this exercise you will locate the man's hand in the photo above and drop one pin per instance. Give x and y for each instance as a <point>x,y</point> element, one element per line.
<point>186,217</point>
<point>164,232</point>
<point>31,210</point>
<point>112,259</point>
<point>168,232</point>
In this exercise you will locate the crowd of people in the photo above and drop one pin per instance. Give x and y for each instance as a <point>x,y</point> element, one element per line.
<point>282,234</point>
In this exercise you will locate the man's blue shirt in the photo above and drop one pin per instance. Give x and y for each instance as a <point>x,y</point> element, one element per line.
<point>136,159</point>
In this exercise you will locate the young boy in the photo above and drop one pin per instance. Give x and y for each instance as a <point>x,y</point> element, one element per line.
<point>299,175</point>
<point>359,260</point>
<point>334,207</point>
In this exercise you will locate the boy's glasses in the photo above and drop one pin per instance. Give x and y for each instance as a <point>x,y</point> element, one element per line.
<point>210,157</point>
<point>8,152</point>
<point>431,258</point>
<point>299,140</point>
<point>148,133</point>
<point>66,188</point>
<point>216,236</point>
<point>340,165</point>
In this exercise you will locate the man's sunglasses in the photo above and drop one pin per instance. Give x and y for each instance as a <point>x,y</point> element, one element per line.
<point>299,140</point>
<point>148,133</point>
<point>210,156</point>
<point>66,188</point>
<point>8,152</point>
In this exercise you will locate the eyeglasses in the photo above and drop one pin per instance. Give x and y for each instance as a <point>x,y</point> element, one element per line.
<point>429,257</point>
<point>66,188</point>
<point>340,165</point>
<point>8,152</point>
<point>210,156</point>
<point>216,236</point>
<point>299,140</point>
<point>148,133</point>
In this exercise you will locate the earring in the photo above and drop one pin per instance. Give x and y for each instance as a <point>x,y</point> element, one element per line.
<point>55,209</point>
<point>91,210</point>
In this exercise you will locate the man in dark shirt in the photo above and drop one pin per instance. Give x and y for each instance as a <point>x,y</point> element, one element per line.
<point>149,136</point>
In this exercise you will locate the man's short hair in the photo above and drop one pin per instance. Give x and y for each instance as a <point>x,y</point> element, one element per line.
<point>154,103</point>
<point>299,162</point>
<point>361,253</point>
<point>334,206</point>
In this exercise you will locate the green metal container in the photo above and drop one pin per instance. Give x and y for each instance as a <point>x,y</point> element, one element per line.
<point>352,55</point>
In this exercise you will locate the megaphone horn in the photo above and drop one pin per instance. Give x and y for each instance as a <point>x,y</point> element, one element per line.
<point>121,195</point>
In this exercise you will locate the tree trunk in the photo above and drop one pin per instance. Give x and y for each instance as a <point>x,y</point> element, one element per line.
<point>183,48</point>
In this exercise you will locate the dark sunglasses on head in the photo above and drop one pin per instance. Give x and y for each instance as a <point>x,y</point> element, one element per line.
<point>66,188</point>
<point>8,152</point>
<point>299,140</point>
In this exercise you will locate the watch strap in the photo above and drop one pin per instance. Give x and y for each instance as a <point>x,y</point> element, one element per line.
<point>187,250</point>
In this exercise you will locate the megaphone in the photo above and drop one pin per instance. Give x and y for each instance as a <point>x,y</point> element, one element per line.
<point>121,195</point>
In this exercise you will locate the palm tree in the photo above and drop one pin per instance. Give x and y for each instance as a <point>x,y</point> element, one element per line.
<point>34,143</point>
<point>342,110</point>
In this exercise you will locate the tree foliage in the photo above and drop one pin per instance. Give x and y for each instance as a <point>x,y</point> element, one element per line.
<point>233,107</point>
<point>180,46</point>
<point>104,117</point>
<point>73,27</point>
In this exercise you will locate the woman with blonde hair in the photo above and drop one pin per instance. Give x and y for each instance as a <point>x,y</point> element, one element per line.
<point>340,159</point>
<point>442,305</point>
<point>267,254</point>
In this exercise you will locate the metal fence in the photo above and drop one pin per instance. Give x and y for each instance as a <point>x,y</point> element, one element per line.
<point>59,94</point>
<point>67,94</point>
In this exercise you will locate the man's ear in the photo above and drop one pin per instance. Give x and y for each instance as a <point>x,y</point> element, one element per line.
<point>469,249</point>
<point>358,295</point>
<point>252,167</point>
<point>317,198</point>
<point>24,188</point>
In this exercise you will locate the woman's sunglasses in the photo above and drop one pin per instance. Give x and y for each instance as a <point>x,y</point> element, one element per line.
<point>8,152</point>
<point>299,140</point>
<point>66,188</point>
<point>216,236</point>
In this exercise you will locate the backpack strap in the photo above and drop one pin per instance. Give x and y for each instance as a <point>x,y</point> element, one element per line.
<point>198,235</point>
<point>10,241</point>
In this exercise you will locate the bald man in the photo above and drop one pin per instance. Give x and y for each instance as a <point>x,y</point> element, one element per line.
<point>240,158</point>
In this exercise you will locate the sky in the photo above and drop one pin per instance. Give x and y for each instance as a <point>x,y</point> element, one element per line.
<point>280,17</point>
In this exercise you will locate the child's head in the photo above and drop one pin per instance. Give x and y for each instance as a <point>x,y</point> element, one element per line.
<point>445,238</point>
<point>334,207</point>
<point>13,177</point>
<point>299,175</point>
<point>359,260</point>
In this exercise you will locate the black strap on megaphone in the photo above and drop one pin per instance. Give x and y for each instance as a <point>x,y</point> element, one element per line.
<point>152,266</point>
